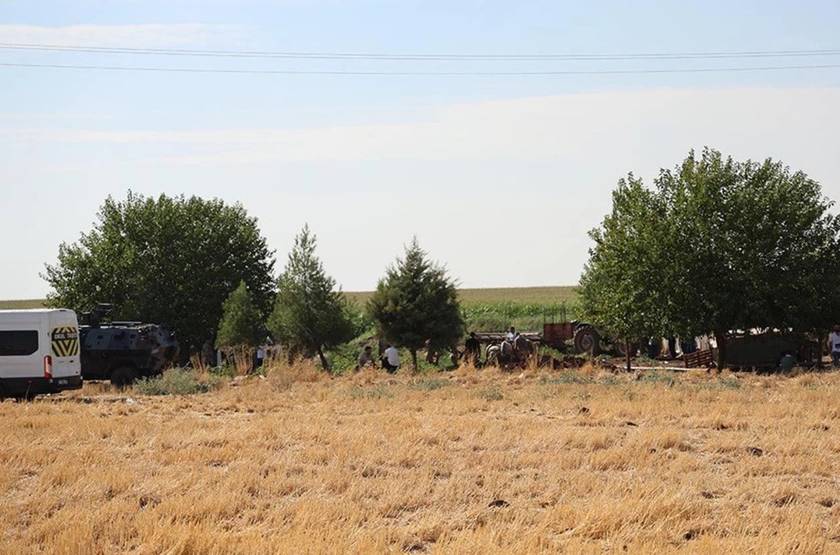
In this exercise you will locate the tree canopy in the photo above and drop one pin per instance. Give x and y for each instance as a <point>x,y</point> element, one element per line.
<point>750,242</point>
<point>241,323</point>
<point>718,245</point>
<point>416,302</point>
<point>171,260</point>
<point>310,314</point>
<point>619,286</point>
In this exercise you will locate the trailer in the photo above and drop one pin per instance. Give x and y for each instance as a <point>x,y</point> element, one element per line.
<point>765,351</point>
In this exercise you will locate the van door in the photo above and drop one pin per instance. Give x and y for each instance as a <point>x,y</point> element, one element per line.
<point>20,346</point>
<point>63,336</point>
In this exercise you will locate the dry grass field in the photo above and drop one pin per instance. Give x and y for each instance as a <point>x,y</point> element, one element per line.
<point>465,462</point>
<point>22,304</point>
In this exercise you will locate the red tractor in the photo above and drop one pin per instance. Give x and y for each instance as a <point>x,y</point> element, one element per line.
<point>585,338</point>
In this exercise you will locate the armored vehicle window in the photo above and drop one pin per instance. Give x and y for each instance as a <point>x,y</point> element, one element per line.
<point>15,343</point>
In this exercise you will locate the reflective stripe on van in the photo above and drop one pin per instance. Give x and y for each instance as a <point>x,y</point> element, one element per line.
<point>65,341</point>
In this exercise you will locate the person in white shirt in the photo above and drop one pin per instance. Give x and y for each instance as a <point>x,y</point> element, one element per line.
<point>391,359</point>
<point>834,345</point>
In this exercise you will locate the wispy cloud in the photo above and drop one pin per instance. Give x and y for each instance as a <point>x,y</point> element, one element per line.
<point>131,36</point>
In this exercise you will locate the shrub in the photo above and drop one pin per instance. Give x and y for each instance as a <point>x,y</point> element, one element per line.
<point>730,383</point>
<point>567,377</point>
<point>658,377</point>
<point>282,374</point>
<point>428,384</point>
<point>177,381</point>
<point>374,392</point>
<point>491,393</point>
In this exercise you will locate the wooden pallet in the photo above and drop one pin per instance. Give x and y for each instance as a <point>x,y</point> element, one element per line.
<point>699,359</point>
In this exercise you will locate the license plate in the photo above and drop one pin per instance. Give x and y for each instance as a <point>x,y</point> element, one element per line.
<point>62,382</point>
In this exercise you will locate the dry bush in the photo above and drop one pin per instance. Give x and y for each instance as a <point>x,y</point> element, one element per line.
<point>470,461</point>
<point>197,363</point>
<point>282,374</point>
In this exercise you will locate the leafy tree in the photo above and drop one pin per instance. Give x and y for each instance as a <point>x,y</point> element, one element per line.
<point>172,260</point>
<point>717,246</point>
<point>618,286</point>
<point>310,315</point>
<point>416,302</point>
<point>751,245</point>
<point>241,323</point>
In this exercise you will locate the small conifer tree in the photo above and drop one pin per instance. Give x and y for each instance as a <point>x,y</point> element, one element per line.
<point>416,304</point>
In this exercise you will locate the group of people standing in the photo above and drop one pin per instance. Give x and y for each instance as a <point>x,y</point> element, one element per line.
<point>389,358</point>
<point>212,357</point>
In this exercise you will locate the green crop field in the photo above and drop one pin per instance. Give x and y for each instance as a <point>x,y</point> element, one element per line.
<point>497,308</point>
<point>489,309</point>
<point>520,295</point>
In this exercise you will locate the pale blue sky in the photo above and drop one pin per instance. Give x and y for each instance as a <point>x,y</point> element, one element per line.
<point>476,167</point>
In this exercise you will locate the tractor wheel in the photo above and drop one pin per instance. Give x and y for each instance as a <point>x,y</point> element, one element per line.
<point>587,341</point>
<point>123,376</point>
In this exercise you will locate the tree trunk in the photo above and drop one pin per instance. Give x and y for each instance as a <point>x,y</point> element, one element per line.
<point>414,359</point>
<point>324,363</point>
<point>627,353</point>
<point>720,338</point>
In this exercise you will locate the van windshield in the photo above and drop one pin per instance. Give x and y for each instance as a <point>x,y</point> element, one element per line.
<point>15,343</point>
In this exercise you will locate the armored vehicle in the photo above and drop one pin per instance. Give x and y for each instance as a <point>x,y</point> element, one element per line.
<point>123,351</point>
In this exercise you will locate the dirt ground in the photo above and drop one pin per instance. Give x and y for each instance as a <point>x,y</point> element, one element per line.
<point>466,462</point>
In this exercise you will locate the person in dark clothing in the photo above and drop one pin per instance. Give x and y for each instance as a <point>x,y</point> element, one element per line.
<point>653,347</point>
<point>688,346</point>
<point>366,358</point>
<point>208,354</point>
<point>672,347</point>
<point>472,349</point>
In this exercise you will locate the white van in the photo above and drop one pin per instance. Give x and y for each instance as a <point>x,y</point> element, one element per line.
<point>39,352</point>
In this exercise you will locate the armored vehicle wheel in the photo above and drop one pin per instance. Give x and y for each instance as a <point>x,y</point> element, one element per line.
<point>587,341</point>
<point>123,376</point>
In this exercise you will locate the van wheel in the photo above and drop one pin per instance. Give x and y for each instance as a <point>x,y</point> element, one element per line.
<point>123,376</point>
